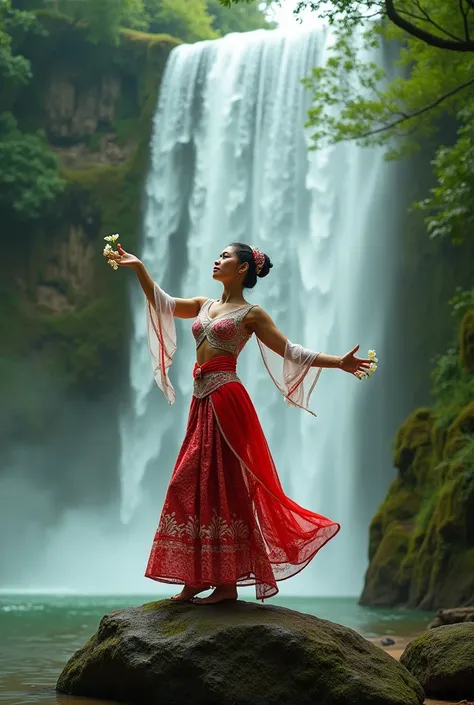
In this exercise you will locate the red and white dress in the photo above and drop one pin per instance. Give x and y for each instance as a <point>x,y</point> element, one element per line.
<point>226,518</point>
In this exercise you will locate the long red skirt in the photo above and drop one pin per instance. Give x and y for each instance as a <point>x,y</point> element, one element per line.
<point>226,518</point>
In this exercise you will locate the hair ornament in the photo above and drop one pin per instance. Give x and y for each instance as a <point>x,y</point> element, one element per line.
<point>258,258</point>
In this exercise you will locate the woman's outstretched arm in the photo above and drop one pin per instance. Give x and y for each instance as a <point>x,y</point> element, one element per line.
<point>184,308</point>
<point>264,328</point>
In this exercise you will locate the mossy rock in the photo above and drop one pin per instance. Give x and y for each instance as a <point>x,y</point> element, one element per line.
<point>241,653</point>
<point>442,660</point>
<point>462,426</point>
<point>443,564</point>
<point>414,438</point>
<point>467,341</point>
<point>401,504</point>
<point>385,583</point>
<point>455,584</point>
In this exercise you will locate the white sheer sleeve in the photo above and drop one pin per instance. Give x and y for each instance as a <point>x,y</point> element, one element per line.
<point>293,375</point>
<point>161,331</point>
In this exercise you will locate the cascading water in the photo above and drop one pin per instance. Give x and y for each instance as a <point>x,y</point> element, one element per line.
<point>230,162</point>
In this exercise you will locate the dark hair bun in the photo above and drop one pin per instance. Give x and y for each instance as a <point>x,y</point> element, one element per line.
<point>245,254</point>
<point>266,267</point>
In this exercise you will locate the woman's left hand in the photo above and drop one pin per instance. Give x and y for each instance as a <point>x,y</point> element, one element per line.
<point>356,366</point>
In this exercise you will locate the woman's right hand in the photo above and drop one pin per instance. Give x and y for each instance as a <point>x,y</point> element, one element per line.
<point>124,259</point>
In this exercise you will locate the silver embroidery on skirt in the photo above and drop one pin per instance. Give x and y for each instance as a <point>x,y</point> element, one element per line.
<point>211,381</point>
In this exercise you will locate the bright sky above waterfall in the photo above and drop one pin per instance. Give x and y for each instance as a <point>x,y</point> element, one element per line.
<point>283,14</point>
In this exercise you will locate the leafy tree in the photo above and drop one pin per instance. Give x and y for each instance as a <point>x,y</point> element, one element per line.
<point>238,18</point>
<point>436,60</point>
<point>103,18</point>
<point>186,19</point>
<point>29,178</point>
<point>14,68</point>
<point>354,99</point>
<point>450,206</point>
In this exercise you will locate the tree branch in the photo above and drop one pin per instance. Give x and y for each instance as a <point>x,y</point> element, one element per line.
<point>427,37</point>
<point>419,112</point>
<point>435,24</point>
<point>464,17</point>
<point>427,18</point>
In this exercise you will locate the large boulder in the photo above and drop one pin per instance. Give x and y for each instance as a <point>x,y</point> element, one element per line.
<point>236,652</point>
<point>452,616</point>
<point>442,660</point>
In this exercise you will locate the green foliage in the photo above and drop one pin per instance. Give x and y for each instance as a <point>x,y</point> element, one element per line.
<point>353,99</point>
<point>374,110</point>
<point>186,19</point>
<point>105,18</point>
<point>29,178</point>
<point>451,386</point>
<point>190,20</point>
<point>102,20</point>
<point>462,302</point>
<point>85,344</point>
<point>452,382</point>
<point>450,206</point>
<point>238,18</point>
<point>15,69</point>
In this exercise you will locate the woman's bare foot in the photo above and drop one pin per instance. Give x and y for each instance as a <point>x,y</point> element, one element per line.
<point>188,592</point>
<point>220,594</point>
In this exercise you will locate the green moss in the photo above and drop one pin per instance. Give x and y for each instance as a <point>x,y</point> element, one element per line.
<point>386,582</point>
<point>462,425</point>
<point>441,660</point>
<point>146,38</point>
<point>414,447</point>
<point>467,341</point>
<point>282,654</point>
<point>425,513</point>
<point>427,518</point>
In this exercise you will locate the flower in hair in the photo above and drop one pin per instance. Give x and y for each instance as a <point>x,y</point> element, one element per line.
<point>258,258</point>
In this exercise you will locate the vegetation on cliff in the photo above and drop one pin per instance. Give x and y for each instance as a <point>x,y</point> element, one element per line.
<point>79,88</point>
<point>421,547</point>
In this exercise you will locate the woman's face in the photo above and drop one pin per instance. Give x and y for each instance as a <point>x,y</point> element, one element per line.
<point>227,267</point>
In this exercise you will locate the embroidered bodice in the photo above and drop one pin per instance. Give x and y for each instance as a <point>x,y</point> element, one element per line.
<point>224,332</point>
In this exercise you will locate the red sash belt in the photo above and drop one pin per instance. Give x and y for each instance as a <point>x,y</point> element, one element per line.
<point>221,363</point>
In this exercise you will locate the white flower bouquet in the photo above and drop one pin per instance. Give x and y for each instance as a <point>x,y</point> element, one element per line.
<point>109,250</point>
<point>373,365</point>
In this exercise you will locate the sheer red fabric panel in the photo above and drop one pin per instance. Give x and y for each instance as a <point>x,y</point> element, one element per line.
<point>293,535</point>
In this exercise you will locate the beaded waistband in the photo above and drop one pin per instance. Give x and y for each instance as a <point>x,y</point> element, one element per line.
<point>213,374</point>
<point>212,381</point>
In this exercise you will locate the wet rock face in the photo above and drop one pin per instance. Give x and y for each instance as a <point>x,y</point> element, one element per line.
<point>243,653</point>
<point>443,661</point>
<point>73,108</point>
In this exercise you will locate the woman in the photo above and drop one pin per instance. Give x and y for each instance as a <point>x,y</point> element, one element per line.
<point>226,520</point>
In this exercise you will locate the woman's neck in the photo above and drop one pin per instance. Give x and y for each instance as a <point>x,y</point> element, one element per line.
<point>232,294</point>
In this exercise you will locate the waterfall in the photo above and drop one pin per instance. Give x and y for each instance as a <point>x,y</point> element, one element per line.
<point>231,162</point>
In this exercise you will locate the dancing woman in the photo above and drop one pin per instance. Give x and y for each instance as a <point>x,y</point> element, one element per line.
<point>226,520</point>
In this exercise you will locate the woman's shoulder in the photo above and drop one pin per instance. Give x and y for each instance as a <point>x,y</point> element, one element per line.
<point>255,315</point>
